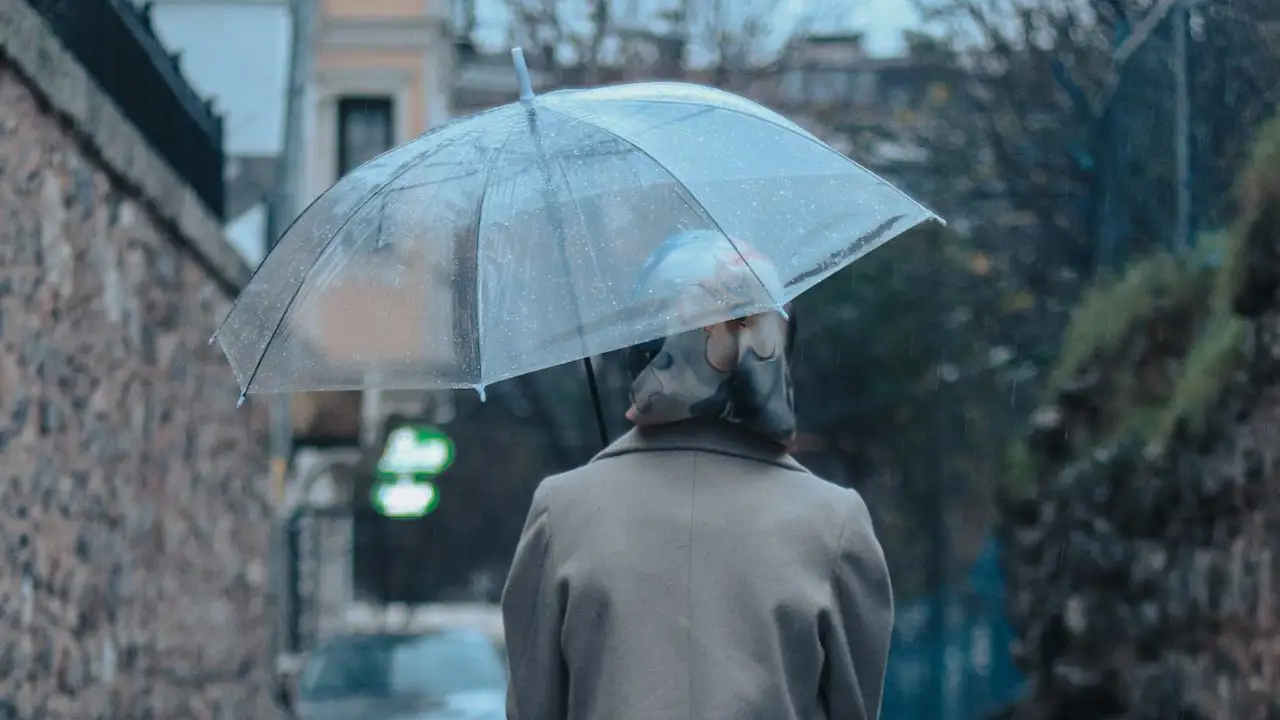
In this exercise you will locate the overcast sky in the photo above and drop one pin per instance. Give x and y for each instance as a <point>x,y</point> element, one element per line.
<point>881,20</point>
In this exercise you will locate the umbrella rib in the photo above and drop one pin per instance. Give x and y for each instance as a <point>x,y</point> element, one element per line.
<point>400,171</point>
<point>833,259</point>
<point>479,225</point>
<point>694,203</point>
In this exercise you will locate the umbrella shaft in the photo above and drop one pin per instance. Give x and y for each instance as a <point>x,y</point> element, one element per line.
<point>556,218</point>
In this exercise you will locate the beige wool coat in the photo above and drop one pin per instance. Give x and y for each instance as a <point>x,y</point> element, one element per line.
<point>696,572</point>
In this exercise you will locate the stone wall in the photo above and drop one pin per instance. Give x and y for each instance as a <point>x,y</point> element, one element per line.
<point>1146,589</point>
<point>1144,554</point>
<point>134,520</point>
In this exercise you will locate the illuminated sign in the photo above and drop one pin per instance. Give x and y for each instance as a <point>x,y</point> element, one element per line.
<point>416,451</point>
<point>405,498</point>
<point>412,456</point>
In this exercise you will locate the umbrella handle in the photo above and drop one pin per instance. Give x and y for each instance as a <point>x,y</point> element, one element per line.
<point>594,387</point>
<point>526,96</point>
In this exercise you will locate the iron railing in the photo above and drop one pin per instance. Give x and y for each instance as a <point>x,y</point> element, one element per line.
<point>114,41</point>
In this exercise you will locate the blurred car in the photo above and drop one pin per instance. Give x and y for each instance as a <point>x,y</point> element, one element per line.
<point>484,617</point>
<point>452,673</point>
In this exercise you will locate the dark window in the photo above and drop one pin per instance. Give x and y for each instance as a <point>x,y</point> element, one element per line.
<point>365,130</point>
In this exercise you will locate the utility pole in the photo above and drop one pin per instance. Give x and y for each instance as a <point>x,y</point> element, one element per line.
<point>287,205</point>
<point>1108,116</point>
<point>1182,124</point>
<point>1177,11</point>
<point>1143,30</point>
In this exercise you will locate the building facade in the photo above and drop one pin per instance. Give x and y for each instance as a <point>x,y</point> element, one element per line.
<point>379,77</point>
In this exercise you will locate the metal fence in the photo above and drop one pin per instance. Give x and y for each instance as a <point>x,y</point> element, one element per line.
<point>115,43</point>
<point>339,556</point>
<point>319,545</point>
<point>950,658</point>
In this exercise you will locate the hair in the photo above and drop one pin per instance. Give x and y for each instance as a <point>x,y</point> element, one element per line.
<point>637,357</point>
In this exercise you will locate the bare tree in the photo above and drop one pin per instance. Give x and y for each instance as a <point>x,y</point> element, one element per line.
<point>1074,103</point>
<point>718,41</point>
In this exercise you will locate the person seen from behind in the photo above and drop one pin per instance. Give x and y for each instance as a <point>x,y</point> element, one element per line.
<point>694,570</point>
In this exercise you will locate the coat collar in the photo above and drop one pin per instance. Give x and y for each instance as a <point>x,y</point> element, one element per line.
<point>712,436</point>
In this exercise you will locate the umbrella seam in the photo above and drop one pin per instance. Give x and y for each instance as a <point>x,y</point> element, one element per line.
<point>479,223</point>
<point>568,269</point>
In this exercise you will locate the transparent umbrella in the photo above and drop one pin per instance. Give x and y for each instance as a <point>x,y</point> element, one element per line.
<point>512,240</point>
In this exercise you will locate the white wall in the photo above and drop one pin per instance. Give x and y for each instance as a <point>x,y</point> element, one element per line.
<point>237,53</point>
<point>248,234</point>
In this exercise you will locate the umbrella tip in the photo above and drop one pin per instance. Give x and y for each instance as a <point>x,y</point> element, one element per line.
<point>522,74</point>
<point>240,400</point>
<point>479,391</point>
<point>212,338</point>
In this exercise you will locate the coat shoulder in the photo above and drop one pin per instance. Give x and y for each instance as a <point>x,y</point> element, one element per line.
<point>801,483</point>
<point>554,488</point>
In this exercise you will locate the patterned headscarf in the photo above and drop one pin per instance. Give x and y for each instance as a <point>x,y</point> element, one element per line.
<point>738,371</point>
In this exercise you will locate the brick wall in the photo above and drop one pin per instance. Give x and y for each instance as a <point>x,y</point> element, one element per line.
<point>133,519</point>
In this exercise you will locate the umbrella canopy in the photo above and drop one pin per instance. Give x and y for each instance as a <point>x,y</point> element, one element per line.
<point>512,240</point>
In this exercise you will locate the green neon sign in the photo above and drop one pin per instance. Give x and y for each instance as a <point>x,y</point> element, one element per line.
<point>412,455</point>
<point>416,451</point>
<point>405,498</point>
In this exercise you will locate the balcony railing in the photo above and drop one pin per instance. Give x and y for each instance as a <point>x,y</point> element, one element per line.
<point>114,41</point>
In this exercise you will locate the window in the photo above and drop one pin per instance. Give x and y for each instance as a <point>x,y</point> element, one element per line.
<point>365,130</point>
